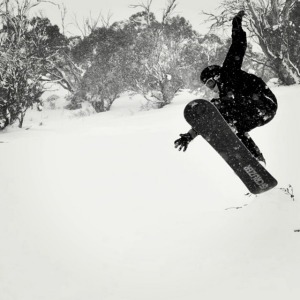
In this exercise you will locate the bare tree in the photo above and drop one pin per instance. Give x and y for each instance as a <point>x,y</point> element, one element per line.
<point>157,81</point>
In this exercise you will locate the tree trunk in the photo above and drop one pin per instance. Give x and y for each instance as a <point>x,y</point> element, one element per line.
<point>286,73</point>
<point>21,119</point>
<point>167,91</point>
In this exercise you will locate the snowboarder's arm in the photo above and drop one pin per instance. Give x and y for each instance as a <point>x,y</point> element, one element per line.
<point>237,50</point>
<point>193,133</point>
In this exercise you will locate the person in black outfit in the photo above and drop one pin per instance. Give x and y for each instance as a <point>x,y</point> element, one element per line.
<point>245,101</point>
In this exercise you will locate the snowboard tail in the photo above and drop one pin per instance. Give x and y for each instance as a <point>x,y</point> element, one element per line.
<point>205,118</point>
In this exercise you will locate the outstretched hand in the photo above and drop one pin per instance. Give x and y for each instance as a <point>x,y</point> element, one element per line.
<point>183,141</point>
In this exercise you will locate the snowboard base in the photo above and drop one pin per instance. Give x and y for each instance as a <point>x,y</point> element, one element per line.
<point>205,118</point>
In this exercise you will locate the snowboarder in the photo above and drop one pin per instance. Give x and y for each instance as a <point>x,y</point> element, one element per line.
<point>245,101</point>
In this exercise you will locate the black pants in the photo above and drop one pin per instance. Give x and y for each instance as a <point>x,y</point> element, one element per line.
<point>247,113</point>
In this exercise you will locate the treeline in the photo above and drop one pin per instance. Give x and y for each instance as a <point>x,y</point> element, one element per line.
<point>143,55</point>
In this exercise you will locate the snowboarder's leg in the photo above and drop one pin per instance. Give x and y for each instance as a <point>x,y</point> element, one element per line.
<point>247,113</point>
<point>244,116</point>
<point>250,144</point>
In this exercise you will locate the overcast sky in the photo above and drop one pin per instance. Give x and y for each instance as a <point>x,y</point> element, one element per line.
<point>120,10</point>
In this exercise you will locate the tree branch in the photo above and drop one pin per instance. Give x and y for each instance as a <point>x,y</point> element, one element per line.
<point>168,11</point>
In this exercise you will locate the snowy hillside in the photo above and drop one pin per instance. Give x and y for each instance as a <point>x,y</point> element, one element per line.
<point>103,207</point>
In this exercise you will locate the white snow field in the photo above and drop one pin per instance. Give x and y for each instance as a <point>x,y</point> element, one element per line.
<point>105,208</point>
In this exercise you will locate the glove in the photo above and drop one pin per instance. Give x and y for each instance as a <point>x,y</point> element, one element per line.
<point>183,141</point>
<point>240,14</point>
<point>237,20</point>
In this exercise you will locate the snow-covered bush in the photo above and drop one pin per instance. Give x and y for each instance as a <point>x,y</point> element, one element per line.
<point>86,110</point>
<point>51,100</point>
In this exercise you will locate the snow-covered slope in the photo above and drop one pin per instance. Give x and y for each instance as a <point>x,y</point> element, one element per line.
<point>103,207</point>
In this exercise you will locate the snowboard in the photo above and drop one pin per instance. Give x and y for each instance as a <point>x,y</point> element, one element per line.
<point>205,118</point>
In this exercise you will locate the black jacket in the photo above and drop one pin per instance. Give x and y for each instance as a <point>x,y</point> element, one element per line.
<point>235,83</point>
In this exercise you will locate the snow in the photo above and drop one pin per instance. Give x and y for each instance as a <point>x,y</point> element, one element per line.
<point>104,207</point>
